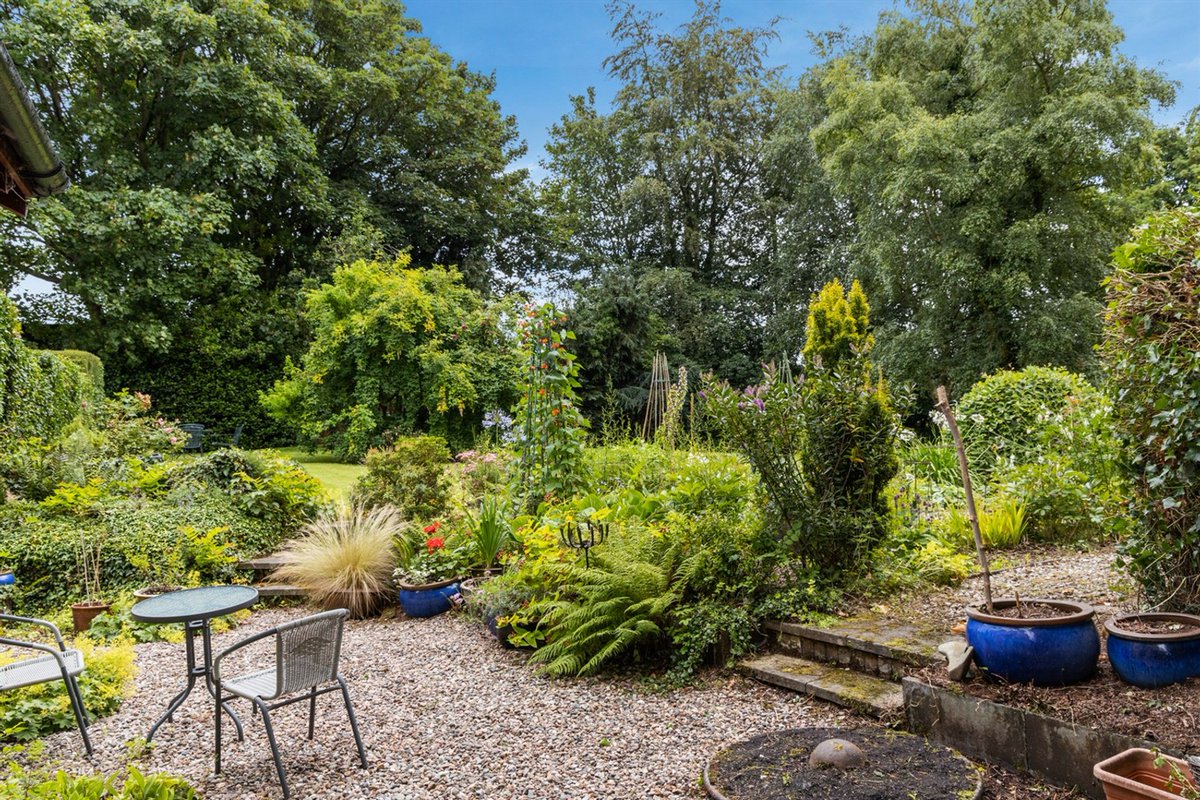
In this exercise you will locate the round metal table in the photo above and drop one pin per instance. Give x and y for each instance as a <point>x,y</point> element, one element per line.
<point>194,608</point>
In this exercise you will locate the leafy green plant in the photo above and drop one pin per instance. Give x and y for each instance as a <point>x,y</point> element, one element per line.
<point>344,557</point>
<point>838,326</point>
<point>551,428</point>
<point>618,607</point>
<point>490,529</point>
<point>1151,353</point>
<point>1001,523</point>
<point>409,475</point>
<point>264,486</point>
<point>22,782</point>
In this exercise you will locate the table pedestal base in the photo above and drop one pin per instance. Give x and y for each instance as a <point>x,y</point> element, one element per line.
<point>195,672</point>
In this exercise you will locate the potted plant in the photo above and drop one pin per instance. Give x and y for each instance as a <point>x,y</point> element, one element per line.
<point>1154,649</point>
<point>498,603</point>
<point>1039,641</point>
<point>427,574</point>
<point>490,532</point>
<point>1140,774</point>
<point>91,548</point>
<point>343,558</point>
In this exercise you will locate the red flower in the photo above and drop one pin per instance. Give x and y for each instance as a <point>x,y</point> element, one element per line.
<point>435,543</point>
<point>431,529</point>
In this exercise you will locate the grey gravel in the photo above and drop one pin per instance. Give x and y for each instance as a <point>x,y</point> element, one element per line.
<point>446,713</point>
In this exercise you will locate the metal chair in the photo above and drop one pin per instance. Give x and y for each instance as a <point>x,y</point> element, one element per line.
<point>218,442</point>
<point>306,661</point>
<point>63,664</point>
<point>195,433</point>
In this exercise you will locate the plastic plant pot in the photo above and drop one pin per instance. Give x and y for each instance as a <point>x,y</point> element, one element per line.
<point>1046,651</point>
<point>1132,775</point>
<point>1154,659</point>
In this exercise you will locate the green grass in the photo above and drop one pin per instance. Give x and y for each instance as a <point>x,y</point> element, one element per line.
<point>336,477</point>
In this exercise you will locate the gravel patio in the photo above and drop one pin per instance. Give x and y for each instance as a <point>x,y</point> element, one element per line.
<point>446,713</point>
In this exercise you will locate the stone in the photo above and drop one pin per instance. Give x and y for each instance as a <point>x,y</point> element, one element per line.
<point>958,658</point>
<point>837,753</point>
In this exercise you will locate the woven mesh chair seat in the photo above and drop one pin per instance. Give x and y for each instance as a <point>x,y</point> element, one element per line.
<point>30,671</point>
<point>253,684</point>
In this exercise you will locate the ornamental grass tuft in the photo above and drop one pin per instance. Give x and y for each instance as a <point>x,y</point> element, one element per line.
<point>344,557</point>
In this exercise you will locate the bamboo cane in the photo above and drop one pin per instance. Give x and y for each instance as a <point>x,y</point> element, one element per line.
<point>943,401</point>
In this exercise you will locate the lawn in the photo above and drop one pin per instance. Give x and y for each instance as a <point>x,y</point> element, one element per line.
<point>335,476</point>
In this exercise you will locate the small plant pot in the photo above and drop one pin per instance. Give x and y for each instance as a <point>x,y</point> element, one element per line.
<point>146,592</point>
<point>501,632</point>
<point>1154,659</point>
<point>428,599</point>
<point>7,578</point>
<point>1131,775</point>
<point>1046,651</point>
<point>82,614</point>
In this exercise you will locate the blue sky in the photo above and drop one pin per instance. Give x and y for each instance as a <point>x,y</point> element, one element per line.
<point>544,51</point>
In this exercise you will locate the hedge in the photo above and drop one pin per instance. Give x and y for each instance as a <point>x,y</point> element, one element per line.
<point>40,392</point>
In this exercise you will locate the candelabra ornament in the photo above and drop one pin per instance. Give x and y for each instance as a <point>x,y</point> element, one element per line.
<point>584,538</point>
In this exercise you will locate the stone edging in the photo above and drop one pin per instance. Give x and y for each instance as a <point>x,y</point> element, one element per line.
<point>1055,750</point>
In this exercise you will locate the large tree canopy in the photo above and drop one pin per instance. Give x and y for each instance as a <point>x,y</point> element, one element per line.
<point>677,188</point>
<point>991,152</point>
<point>226,152</point>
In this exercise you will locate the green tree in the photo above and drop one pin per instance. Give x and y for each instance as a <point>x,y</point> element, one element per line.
<point>396,350</point>
<point>990,151</point>
<point>669,185</point>
<point>222,153</point>
<point>838,325</point>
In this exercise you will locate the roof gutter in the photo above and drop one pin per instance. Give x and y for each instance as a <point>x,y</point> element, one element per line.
<point>37,164</point>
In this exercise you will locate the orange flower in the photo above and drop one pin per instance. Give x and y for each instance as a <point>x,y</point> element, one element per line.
<point>554,412</point>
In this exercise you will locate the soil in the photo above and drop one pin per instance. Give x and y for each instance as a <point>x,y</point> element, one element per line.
<point>774,766</point>
<point>1169,715</point>
<point>1156,626</point>
<point>1028,611</point>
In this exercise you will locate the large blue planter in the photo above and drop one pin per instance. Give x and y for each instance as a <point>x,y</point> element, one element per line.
<point>1150,660</point>
<point>1054,651</point>
<point>429,599</point>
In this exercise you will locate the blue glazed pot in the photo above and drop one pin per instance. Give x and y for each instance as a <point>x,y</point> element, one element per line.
<point>1151,660</point>
<point>428,600</point>
<point>1051,651</point>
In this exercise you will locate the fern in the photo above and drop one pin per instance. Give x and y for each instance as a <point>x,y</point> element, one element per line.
<point>619,605</point>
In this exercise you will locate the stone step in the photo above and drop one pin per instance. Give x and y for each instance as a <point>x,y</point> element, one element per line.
<point>279,590</point>
<point>863,693</point>
<point>871,645</point>
<point>264,563</point>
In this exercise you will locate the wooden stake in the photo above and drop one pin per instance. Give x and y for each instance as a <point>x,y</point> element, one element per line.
<point>943,401</point>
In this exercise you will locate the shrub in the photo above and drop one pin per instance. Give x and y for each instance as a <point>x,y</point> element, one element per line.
<point>1004,416</point>
<point>37,711</point>
<point>40,545</point>
<point>344,557</point>
<point>266,487</point>
<point>408,475</point>
<point>824,449</point>
<point>838,325</point>
<point>39,392</point>
<point>1151,352</point>
<point>395,348</point>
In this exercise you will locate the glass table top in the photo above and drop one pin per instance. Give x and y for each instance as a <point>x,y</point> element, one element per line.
<point>204,602</point>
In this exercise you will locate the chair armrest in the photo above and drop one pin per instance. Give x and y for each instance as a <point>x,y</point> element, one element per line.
<point>216,664</point>
<point>39,622</point>
<point>45,648</point>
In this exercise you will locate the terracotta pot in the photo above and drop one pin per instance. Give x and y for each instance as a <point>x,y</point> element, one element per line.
<point>82,614</point>
<point>1131,775</point>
